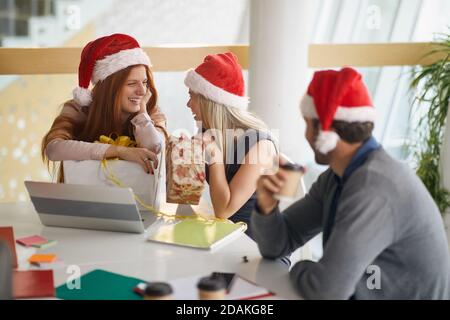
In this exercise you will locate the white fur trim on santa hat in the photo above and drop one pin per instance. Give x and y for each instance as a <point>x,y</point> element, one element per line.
<point>326,141</point>
<point>118,61</point>
<point>343,113</point>
<point>200,85</point>
<point>82,96</point>
<point>308,108</point>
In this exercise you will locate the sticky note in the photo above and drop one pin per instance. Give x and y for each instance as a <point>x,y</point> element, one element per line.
<point>52,265</point>
<point>44,245</point>
<point>29,241</point>
<point>42,258</point>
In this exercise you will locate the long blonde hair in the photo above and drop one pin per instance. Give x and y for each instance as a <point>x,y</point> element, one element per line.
<point>102,115</point>
<point>220,118</point>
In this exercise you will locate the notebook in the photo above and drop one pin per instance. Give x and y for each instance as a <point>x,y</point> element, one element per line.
<point>31,240</point>
<point>196,233</point>
<point>7,234</point>
<point>45,245</point>
<point>101,285</point>
<point>241,289</point>
<point>42,258</point>
<point>33,284</point>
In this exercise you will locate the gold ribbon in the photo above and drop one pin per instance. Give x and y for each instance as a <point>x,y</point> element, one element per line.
<point>123,141</point>
<point>126,141</point>
<point>111,177</point>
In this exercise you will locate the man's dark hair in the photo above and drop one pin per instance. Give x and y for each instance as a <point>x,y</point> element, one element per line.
<point>351,132</point>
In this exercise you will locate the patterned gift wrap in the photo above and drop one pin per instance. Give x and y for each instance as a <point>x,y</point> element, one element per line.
<point>185,170</point>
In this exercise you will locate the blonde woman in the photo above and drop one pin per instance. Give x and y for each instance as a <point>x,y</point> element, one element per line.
<point>239,146</point>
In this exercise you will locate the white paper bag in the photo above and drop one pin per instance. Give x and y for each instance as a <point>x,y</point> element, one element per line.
<point>130,174</point>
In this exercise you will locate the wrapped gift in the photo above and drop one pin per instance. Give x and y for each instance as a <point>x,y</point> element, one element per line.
<point>185,170</point>
<point>129,174</point>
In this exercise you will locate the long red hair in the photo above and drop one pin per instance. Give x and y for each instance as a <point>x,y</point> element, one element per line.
<point>103,115</point>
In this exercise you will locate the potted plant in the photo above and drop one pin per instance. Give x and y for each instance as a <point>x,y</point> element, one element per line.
<point>432,86</point>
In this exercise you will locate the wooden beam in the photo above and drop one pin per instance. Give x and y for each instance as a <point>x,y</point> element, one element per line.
<point>371,55</point>
<point>66,60</point>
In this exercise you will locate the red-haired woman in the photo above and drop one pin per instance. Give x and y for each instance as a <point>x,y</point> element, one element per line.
<point>122,101</point>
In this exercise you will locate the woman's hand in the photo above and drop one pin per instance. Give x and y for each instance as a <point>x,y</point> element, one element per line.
<point>144,101</point>
<point>142,156</point>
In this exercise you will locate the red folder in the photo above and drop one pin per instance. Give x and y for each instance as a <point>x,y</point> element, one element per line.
<point>33,284</point>
<point>7,234</point>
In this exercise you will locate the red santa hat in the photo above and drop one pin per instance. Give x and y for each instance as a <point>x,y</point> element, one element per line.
<point>104,56</point>
<point>336,95</point>
<point>219,78</point>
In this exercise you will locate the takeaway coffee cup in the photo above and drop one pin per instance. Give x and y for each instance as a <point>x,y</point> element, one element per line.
<point>293,173</point>
<point>158,291</point>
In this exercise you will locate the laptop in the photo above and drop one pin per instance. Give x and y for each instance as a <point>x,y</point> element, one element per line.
<point>88,207</point>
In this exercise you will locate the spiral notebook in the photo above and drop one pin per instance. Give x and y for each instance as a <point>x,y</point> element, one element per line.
<point>194,233</point>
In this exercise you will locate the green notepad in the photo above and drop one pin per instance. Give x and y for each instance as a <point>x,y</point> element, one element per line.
<point>101,285</point>
<point>197,233</point>
<point>45,245</point>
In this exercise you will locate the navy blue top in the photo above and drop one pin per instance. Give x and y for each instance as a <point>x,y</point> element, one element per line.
<point>358,159</point>
<point>247,140</point>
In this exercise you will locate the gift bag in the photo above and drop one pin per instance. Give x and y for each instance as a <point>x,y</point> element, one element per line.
<point>129,174</point>
<point>185,170</point>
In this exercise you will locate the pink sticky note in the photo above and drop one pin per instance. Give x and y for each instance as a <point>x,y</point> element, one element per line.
<point>29,241</point>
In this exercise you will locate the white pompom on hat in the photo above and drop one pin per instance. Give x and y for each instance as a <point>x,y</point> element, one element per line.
<point>336,95</point>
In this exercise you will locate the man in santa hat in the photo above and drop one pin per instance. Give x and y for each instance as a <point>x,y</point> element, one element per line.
<point>383,236</point>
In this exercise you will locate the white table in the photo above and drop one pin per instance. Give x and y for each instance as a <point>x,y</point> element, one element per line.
<point>132,255</point>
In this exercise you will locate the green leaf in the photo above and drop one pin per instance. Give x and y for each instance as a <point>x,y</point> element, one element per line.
<point>432,86</point>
